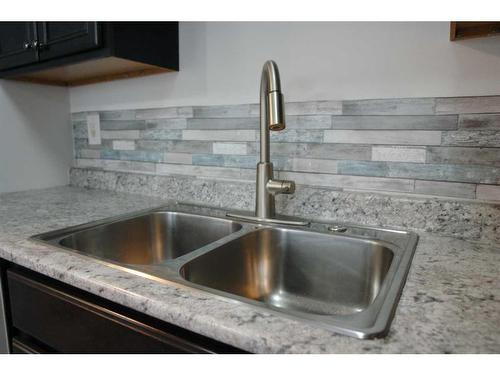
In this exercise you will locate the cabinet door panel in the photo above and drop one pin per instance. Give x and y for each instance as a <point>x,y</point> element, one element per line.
<point>13,37</point>
<point>58,39</point>
<point>69,324</point>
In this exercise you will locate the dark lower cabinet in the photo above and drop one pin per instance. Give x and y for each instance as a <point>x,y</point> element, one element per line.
<point>24,344</point>
<point>51,317</point>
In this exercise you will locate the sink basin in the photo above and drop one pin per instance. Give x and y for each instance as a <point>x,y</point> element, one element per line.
<point>296,270</point>
<point>150,239</point>
<point>347,282</point>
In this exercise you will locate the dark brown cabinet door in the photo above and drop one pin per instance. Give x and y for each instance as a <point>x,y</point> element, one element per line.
<point>16,44</point>
<point>48,316</point>
<point>56,39</point>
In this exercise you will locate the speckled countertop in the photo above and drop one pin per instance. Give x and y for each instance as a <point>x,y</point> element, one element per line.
<point>450,304</point>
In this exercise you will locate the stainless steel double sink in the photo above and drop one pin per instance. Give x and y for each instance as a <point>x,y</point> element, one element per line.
<point>346,282</point>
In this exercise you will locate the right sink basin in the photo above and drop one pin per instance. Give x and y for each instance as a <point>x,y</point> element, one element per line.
<point>296,270</point>
<point>346,282</point>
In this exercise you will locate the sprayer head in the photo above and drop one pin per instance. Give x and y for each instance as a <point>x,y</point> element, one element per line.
<point>276,111</point>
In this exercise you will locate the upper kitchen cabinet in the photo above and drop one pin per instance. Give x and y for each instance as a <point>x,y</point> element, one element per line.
<point>56,39</point>
<point>78,53</point>
<point>15,44</point>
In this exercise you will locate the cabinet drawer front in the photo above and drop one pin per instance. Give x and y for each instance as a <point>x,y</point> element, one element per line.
<point>69,324</point>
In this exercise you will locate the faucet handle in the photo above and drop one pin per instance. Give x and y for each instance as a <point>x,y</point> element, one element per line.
<point>280,187</point>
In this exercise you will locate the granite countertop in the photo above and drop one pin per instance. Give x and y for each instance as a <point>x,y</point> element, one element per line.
<point>450,304</point>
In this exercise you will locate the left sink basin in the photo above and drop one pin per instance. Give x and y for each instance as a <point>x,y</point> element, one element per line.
<point>149,239</point>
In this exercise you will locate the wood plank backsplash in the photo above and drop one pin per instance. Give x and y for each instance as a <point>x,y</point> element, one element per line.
<point>446,147</point>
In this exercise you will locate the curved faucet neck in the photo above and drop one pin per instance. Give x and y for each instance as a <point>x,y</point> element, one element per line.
<point>270,79</point>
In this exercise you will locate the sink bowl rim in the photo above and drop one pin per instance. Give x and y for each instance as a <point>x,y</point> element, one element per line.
<point>384,305</point>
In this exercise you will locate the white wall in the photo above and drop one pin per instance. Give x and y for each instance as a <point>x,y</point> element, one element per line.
<point>35,136</point>
<point>221,63</point>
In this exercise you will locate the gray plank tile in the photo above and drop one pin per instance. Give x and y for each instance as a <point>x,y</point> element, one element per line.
<point>448,122</point>
<point>86,153</point>
<point>229,123</point>
<point>167,123</point>
<point>120,134</point>
<point>123,125</point>
<point>384,137</point>
<point>123,145</point>
<point>438,172</point>
<point>178,158</point>
<point>317,150</point>
<point>488,192</point>
<point>408,106</point>
<point>463,155</point>
<point>116,165</point>
<point>482,138</point>
<point>293,135</point>
<point>323,107</point>
<point>399,153</point>
<point>220,111</point>
<point>239,161</point>
<point>153,156</point>
<point>314,165</point>
<point>335,151</point>
<point>117,115</point>
<point>219,135</point>
<point>125,165</point>
<point>479,122</point>
<point>308,122</point>
<point>364,168</point>
<point>161,133</point>
<point>206,171</point>
<point>168,112</point>
<point>476,104</point>
<point>234,161</point>
<point>134,155</point>
<point>349,182</point>
<point>229,148</point>
<point>192,147</point>
<point>445,189</point>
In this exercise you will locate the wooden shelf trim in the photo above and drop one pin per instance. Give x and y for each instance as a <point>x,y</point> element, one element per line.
<point>467,30</point>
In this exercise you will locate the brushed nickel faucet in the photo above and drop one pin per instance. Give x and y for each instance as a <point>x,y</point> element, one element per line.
<point>272,118</point>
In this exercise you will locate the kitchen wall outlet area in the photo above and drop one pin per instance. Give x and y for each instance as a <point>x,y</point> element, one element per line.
<point>445,147</point>
<point>93,129</point>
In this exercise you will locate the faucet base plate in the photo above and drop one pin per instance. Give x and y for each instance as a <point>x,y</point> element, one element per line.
<point>265,220</point>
